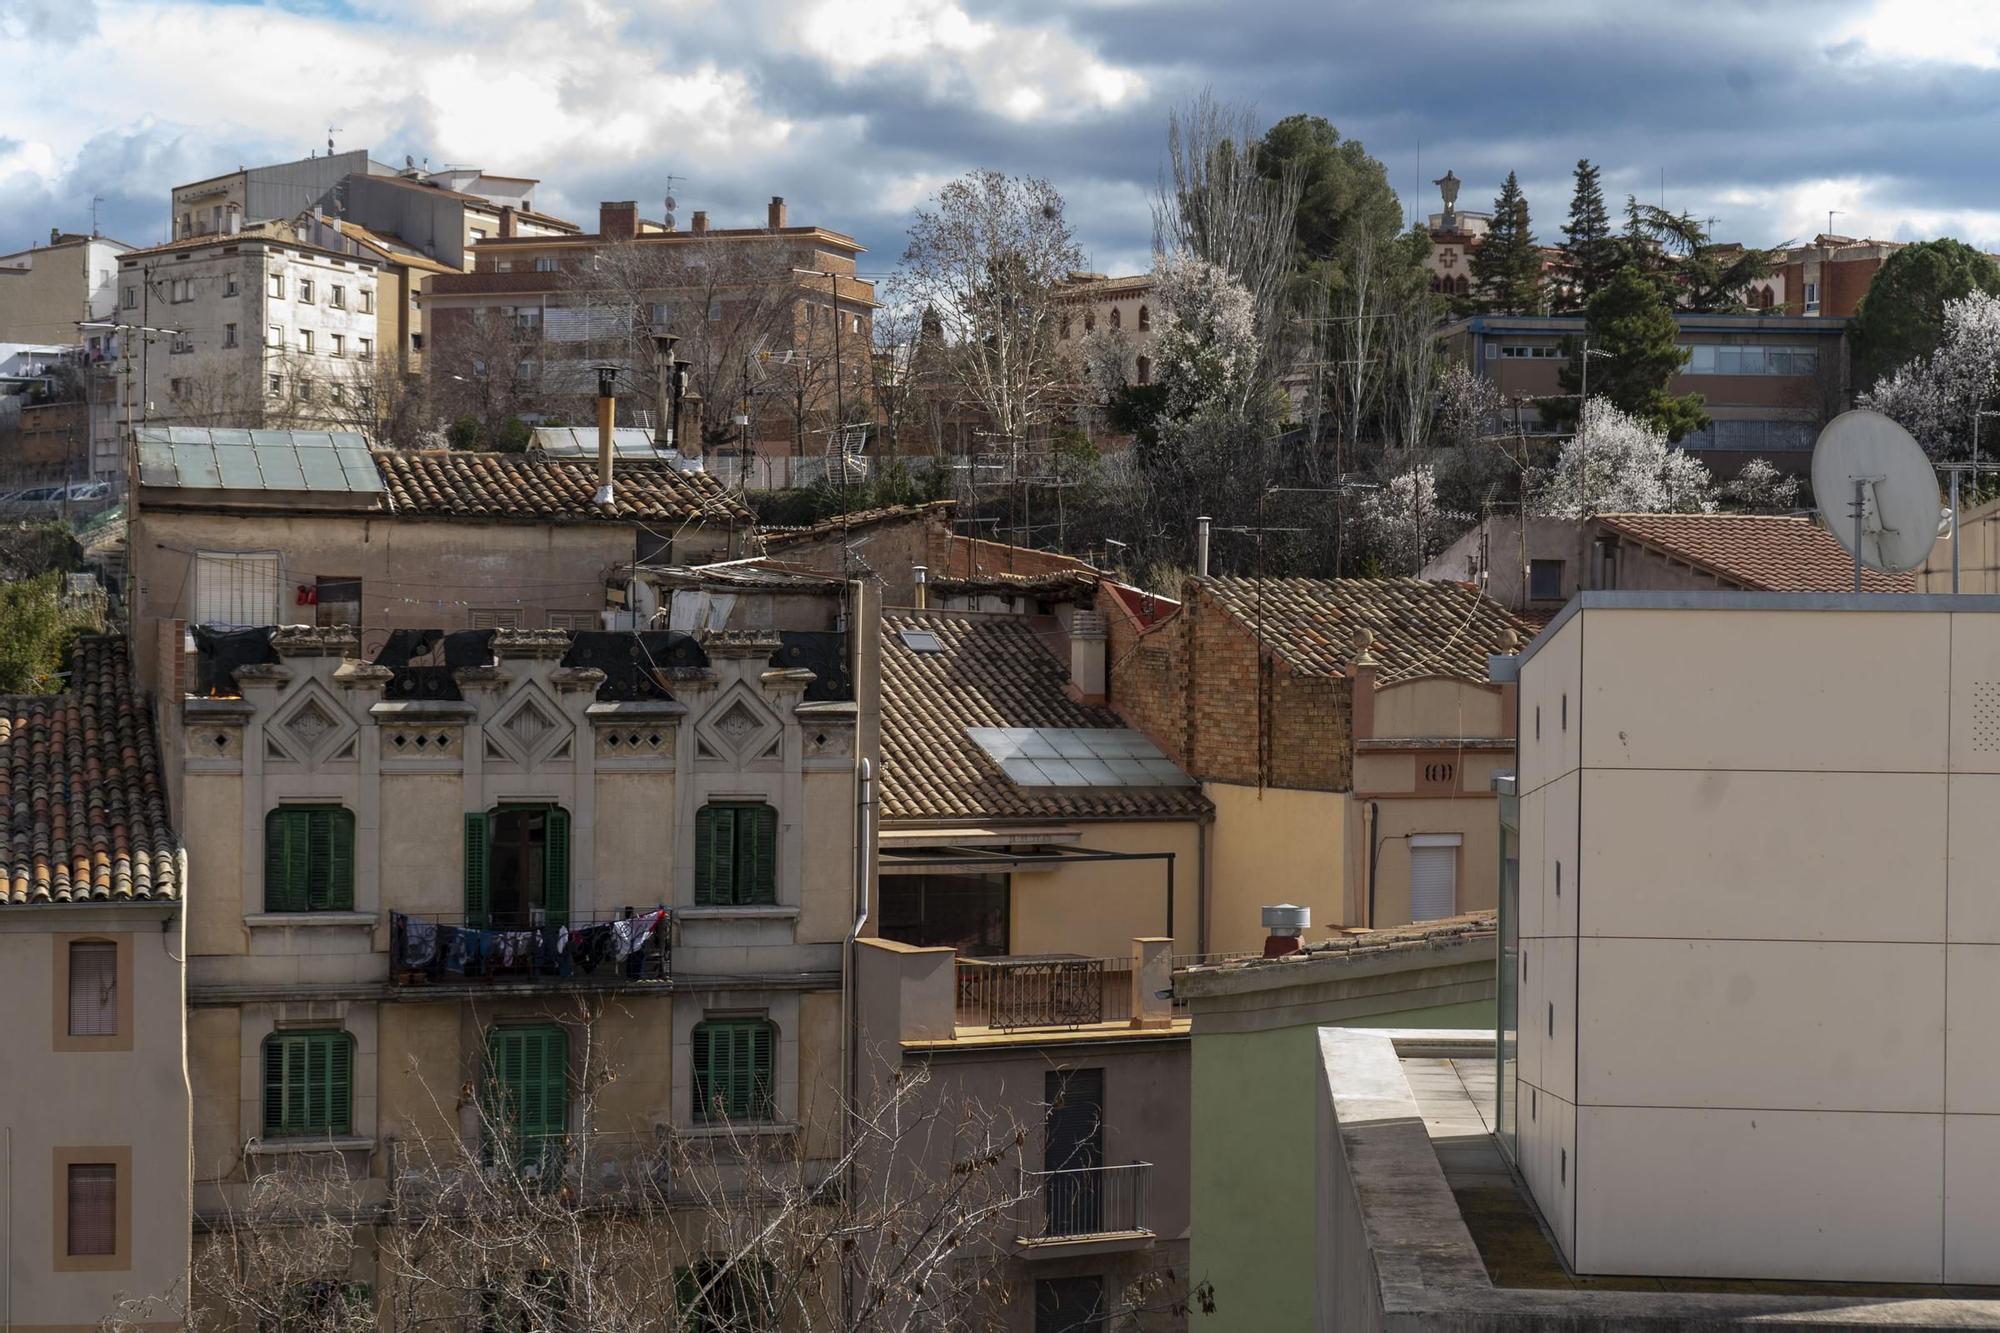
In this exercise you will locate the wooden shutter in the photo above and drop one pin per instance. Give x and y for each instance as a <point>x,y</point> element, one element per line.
<point>339,1083</point>
<point>704,1072</point>
<point>555,867</point>
<point>758,1096</point>
<point>339,890</point>
<point>274,1085</point>
<point>715,854</point>
<point>287,860</point>
<point>478,872</point>
<point>757,846</point>
<point>93,989</point>
<point>528,1085</point>
<point>308,1083</point>
<point>733,1070</point>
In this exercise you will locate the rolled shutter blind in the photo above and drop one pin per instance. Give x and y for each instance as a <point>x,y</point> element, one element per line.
<point>93,989</point>
<point>93,1208</point>
<point>1433,882</point>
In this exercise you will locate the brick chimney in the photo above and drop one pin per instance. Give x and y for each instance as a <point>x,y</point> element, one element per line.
<point>700,222</point>
<point>508,226</point>
<point>618,221</point>
<point>775,218</point>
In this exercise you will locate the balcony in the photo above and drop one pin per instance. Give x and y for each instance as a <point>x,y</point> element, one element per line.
<point>621,948</point>
<point>1006,994</point>
<point>448,1176</point>
<point>1080,1210</point>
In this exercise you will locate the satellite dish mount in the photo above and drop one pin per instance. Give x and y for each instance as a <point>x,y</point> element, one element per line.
<point>1871,465</point>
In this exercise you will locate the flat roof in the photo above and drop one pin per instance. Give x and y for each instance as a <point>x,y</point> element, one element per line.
<point>1687,319</point>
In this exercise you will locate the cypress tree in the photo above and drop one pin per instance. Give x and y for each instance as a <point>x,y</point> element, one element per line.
<point>1588,245</point>
<point>1507,266</point>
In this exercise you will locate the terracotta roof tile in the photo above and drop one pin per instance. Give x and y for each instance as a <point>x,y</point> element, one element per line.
<point>1764,552</point>
<point>462,484</point>
<point>1422,627</point>
<point>993,672</point>
<point>81,785</point>
<point>777,539</point>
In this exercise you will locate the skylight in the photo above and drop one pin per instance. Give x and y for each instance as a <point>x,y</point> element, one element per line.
<point>921,641</point>
<point>1078,757</point>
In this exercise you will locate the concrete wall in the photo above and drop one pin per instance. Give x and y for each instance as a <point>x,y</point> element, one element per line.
<point>1095,908</point>
<point>1757,951</point>
<point>119,1099</point>
<point>1278,845</point>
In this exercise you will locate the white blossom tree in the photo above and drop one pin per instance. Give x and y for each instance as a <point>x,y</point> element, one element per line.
<point>1205,349</point>
<point>1402,523</point>
<point>1616,463</point>
<point>1935,397</point>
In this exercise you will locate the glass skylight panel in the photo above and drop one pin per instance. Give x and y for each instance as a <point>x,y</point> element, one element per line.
<point>1078,757</point>
<point>921,641</point>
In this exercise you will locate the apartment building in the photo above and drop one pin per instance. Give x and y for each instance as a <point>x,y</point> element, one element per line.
<point>1768,381</point>
<point>48,290</point>
<point>774,327</point>
<point>259,328</point>
<point>1827,277</point>
<point>93,881</point>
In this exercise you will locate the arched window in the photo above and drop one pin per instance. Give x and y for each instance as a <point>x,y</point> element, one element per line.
<point>1117,318</point>
<point>1764,298</point>
<point>1145,319</point>
<point>1464,287</point>
<point>733,1078</point>
<point>1145,370</point>
<point>309,859</point>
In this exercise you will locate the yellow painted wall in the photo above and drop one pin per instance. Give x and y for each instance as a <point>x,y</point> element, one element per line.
<point>423,860</point>
<point>211,823</point>
<point>215,1074</point>
<point>631,1044</point>
<point>634,840</point>
<point>1436,706</point>
<point>1097,908</point>
<point>1475,819</point>
<point>827,875</point>
<point>819,1072</point>
<point>421,1070</point>
<point>1280,845</point>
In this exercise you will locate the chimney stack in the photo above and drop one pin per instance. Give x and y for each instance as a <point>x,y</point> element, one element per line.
<point>1087,638</point>
<point>776,217</point>
<point>508,227</point>
<point>700,222</point>
<point>920,578</point>
<point>55,233</point>
<point>607,416</point>
<point>1286,923</point>
<point>1201,525</point>
<point>618,221</point>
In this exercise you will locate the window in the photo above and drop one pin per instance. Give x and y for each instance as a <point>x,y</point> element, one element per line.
<point>339,344</point>
<point>1117,318</point>
<point>535,1301</point>
<point>336,393</point>
<point>732,1070</point>
<point>274,336</point>
<point>574,620</point>
<point>526,1099</point>
<point>302,389</point>
<point>1073,1151</point>
<point>1433,875</point>
<point>308,1084</point>
<point>93,988</point>
<point>277,285</point>
<point>309,859</point>
<point>276,386</point>
<point>504,617</point>
<point>735,854</point>
<point>714,311</point>
<point>182,345</point>
<point>236,588</point>
<point>1719,359</point>
<point>337,601</point>
<point>964,912</point>
<point>305,291</point>
<point>336,296</point>
<point>416,342</point>
<point>365,348</point>
<point>179,291</point>
<point>1145,319</point>
<point>741,1299</point>
<point>1145,370</point>
<point>131,298</point>
<point>1545,580</point>
<point>545,264</point>
<point>1532,352</point>
<point>1812,296</point>
<point>517,866</point>
<point>91,1229</point>
<point>367,300</point>
<point>1089,321</point>
<point>229,284</point>
<point>305,340</point>
<point>229,335</point>
<point>1069,1305</point>
<point>479,233</point>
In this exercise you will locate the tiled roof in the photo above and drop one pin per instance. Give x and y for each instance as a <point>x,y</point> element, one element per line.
<point>461,484</point>
<point>777,539</point>
<point>1764,552</point>
<point>80,782</point>
<point>1422,627</point>
<point>992,672</point>
<point>1061,585</point>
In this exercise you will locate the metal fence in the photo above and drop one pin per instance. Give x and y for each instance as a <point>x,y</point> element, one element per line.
<point>1043,992</point>
<point>1087,1201</point>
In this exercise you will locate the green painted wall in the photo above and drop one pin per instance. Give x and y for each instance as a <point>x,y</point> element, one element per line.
<point>1251,1160</point>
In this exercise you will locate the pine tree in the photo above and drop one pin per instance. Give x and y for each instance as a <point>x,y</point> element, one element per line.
<point>1507,266</point>
<point>1588,244</point>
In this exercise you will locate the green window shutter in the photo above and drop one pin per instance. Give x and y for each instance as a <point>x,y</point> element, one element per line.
<point>757,853</point>
<point>340,864</point>
<point>317,1051</point>
<point>528,1084</point>
<point>478,858</point>
<point>274,1086</point>
<point>715,855</point>
<point>704,1073</point>
<point>319,857</point>
<point>733,1070</point>
<point>340,1083</point>
<point>308,1083</point>
<point>555,867</point>
<point>286,860</point>
<point>760,1101</point>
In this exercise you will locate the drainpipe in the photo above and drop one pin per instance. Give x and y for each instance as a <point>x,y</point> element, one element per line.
<point>850,1040</point>
<point>1374,853</point>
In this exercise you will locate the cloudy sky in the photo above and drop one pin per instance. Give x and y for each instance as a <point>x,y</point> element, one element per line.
<point>1762,114</point>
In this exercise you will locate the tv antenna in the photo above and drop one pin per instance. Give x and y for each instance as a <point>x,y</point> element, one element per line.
<point>1890,516</point>
<point>672,203</point>
<point>331,130</point>
<point>95,200</point>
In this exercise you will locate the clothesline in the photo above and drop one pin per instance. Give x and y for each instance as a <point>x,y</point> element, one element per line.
<point>438,950</point>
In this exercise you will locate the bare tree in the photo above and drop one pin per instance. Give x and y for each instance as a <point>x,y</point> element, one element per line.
<point>986,260</point>
<point>487,372</point>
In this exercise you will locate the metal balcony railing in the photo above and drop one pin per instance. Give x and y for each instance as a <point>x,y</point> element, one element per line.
<point>580,948</point>
<point>450,1175</point>
<point>1043,992</point>
<point>1079,1202</point>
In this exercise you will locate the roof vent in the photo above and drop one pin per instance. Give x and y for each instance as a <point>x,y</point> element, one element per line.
<point>1286,922</point>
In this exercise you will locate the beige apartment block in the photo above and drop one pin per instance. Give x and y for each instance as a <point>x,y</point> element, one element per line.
<point>95,1121</point>
<point>1746,1023</point>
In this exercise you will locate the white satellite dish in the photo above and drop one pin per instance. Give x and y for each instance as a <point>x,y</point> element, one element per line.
<point>1864,458</point>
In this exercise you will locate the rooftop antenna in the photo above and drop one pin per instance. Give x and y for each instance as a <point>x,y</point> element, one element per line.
<point>1892,506</point>
<point>95,200</point>
<point>1831,214</point>
<point>331,130</point>
<point>672,204</point>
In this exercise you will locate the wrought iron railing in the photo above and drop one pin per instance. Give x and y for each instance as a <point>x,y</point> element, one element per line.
<point>1043,992</point>
<point>586,948</point>
<point>1076,1202</point>
<point>452,1175</point>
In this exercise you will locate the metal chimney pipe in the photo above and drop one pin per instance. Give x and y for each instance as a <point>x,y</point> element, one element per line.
<point>1201,525</point>
<point>920,577</point>
<point>663,395</point>
<point>607,415</point>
